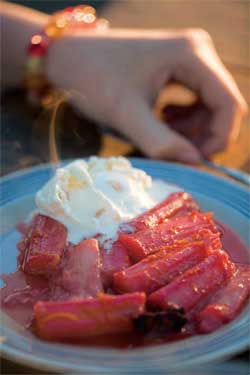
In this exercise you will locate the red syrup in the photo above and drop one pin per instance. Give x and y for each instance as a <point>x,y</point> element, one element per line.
<point>20,293</point>
<point>19,305</point>
<point>233,244</point>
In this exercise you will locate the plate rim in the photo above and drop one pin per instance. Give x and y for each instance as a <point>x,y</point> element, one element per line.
<point>200,172</point>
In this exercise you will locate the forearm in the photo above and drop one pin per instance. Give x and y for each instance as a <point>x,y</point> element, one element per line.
<point>18,24</point>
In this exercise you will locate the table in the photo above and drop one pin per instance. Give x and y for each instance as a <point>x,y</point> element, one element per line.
<point>228,23</point>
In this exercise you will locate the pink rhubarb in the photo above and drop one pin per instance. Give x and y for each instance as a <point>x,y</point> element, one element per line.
<point>195,284</point>
<point>226,303</point>
<point>181,230</point>
<point>81,318</point>
<point>81,274</point>
<point>42,247</point>
<point>160,268</point>
<point>113,260</point>
<point>176,204</point>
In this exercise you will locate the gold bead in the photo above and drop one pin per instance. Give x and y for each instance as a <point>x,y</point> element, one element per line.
<point>85,9</point>
<point>36,39</point>
<point>53,31</point>
<point>102,24</point>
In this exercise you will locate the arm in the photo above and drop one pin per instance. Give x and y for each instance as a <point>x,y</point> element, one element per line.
<point>115,77</point>
<point>18,24</point>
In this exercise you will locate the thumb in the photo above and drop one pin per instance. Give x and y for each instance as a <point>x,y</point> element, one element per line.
<point>136,120</point>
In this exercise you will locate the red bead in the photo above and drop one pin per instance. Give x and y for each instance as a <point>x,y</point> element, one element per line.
<point>69,9</point>
<point>38,45</point>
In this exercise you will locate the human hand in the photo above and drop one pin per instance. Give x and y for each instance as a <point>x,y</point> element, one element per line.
<point>116,77</point>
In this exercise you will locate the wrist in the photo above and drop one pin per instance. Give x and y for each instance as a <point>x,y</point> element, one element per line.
<point>48,57</point>
<point>57,61</point>
<point>18,25</point>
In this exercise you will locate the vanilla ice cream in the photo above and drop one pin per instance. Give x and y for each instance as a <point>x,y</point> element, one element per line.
<point>95,197</point>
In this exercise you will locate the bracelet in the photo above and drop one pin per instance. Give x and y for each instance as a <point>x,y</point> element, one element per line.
<point>72,19</point>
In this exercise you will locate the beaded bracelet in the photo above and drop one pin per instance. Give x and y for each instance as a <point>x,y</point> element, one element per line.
<point>72,19</point>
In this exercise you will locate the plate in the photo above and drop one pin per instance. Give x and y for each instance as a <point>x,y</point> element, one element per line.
<point>230,203</point>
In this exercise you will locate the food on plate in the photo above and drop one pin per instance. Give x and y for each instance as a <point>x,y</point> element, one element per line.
<point>195,284</point>
<point>226,303</point>
<point>81,275</point>
<point>179,230</point>
<point>111,252</point>
<point>96,197</point>
<point>176,204</point>
<point>88,317</point>
<point>43,245</point>
<point>113,260</point>
<point>159,269</point>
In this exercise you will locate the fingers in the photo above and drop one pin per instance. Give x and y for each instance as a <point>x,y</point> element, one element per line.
<point>204,72</point>
<point>175,147</point>
<point>221,94</point>
<point>224,129</point>
<point>154,138</point>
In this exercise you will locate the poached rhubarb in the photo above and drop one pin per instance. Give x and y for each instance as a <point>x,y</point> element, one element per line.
<point>42,247</point>
<point>113,260</point>
<point>176,204</point>
<point>193,285</point>
<point>184,229</point>
<point>81,318</point>
<point>226,303</point>
<point>160,268</point>
<point>81,273</point>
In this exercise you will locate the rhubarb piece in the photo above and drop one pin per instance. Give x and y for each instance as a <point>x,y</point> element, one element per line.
<point>183,229</point>
<point>113,260</point>
<point>81,274</point>
<point>195,284</point>
<point>87,317</point>
<point>43,246</point>
<point>176,204</point>
<point>160,268</point>
<point>226,303</point>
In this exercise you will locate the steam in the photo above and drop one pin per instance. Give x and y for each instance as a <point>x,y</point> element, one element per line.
<point>55,104</point>
<point>53,152</point>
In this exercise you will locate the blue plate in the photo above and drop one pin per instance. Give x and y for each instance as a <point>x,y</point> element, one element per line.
<point>228,200</point>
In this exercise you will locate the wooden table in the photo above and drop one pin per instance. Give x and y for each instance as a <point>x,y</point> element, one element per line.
<point>227,22</point>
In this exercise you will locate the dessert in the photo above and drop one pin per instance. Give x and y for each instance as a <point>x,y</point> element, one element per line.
<point>104,314</point>
<point>112,253</point>
<point>195,284</point>
<point>43,245</point>
<point>159,269</point>
<point>96,197</point>
<point>179,230</point>
<point>226,303</point>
